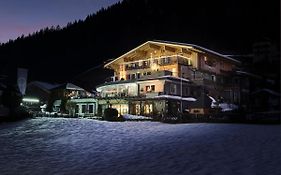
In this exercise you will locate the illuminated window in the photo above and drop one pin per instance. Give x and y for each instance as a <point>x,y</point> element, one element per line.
<point>138,110</point>
<point>205,59</point>
<point>213,77</point>
<point>167,60</point>
<point>189,61</point>
<point>150,88</point>
<point>147,88</point>
<point>148,108</point>
<point>145,63</point>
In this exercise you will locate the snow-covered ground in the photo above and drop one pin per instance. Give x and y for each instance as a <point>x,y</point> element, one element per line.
<point>84,146</point>
<point>135,117</point>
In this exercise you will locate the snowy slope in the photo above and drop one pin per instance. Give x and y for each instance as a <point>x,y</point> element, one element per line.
<point>83,146</point>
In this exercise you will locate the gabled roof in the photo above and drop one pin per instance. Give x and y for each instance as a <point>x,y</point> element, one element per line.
<point>169,43</point>
<point>199,48</point>
<point>69,86</point>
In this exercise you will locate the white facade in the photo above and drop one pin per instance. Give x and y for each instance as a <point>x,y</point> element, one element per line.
<point>85,106</point>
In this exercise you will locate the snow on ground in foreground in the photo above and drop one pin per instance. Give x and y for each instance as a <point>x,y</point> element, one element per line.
<point>83,146</point>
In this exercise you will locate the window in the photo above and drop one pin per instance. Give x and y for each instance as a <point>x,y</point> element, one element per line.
<point>162,61</point>
<point>187,91</point>
<point>148,73</point>
<point>173,89</point>
<point>133,76</point>
<point>213,77</point>
<point>77,109</point>
<point>83,108</point>
<point>91,109</point>
<point>147,88</point>
<point>148,108</point>
<point>152,88</point>
<point>138,110</point>
<point>145,63</point>
<point>167,60</point>
<point>138,75</point>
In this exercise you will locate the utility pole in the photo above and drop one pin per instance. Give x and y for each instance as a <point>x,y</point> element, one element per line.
<point>181,89</point>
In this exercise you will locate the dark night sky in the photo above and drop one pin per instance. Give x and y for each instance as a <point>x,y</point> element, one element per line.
<point>19,17</point>
<point>229,27</point>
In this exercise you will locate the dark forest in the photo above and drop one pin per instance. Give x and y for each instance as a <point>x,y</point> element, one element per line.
<point>71,53</point>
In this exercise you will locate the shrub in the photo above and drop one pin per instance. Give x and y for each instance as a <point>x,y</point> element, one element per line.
<point>110,114</point>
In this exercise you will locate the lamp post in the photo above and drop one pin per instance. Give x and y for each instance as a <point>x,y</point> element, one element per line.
<point>181,88</point>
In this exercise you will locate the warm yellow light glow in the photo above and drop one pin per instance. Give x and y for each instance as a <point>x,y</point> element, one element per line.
<point>205,58</point>
<point>188,61</point>
<point>155,67</point>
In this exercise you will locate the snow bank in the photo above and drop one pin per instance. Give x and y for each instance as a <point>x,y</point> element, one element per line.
<point>227,107</point>
<point>135,117</point>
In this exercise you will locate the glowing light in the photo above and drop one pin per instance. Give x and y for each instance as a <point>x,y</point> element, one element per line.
<point>31,100</point>
<point>154,66</point>
<point>205,58</point>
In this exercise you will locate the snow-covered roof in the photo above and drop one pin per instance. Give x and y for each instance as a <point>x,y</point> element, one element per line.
<point>176,97</point>
<point>198,47</point>
<point>213,104</point>
<point>70,86</point>
<point>178,78</point>
<point>73,86</point>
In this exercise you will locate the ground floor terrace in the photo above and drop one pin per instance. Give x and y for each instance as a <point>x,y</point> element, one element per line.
<point>153,107</point>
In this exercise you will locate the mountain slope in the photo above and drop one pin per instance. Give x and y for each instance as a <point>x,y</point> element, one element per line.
<point>56,54</point>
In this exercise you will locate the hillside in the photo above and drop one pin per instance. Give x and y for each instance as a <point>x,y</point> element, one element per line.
<point>60,54</point>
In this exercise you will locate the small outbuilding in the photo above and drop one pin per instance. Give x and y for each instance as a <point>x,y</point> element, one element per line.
<point>201,106</point>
